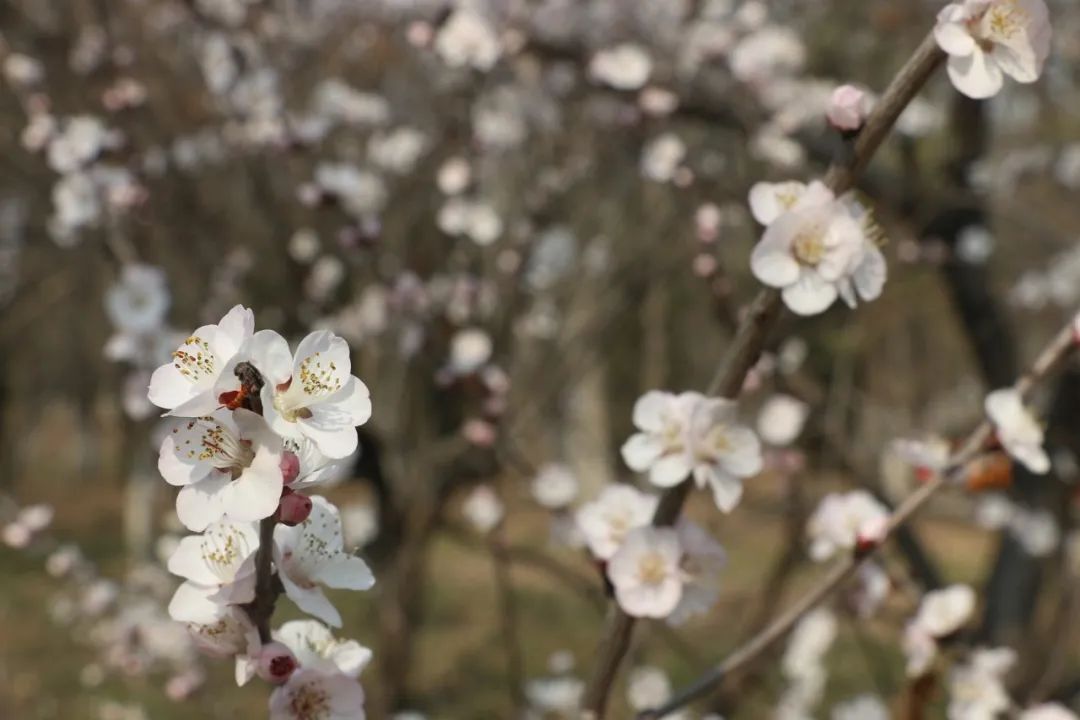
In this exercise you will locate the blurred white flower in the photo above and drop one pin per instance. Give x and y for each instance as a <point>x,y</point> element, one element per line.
<point>648,687</point>
<point>397,150</point>
<point>555,694</point>
<point>702,562</point>
<point>1017,429</point>
<point>1048,711</point>
<point>454,176</point>
<point>475,219</point>
<point>80,140</point>
<point>943,612</point>
<point>842,520</point>
<point>976,688</point>
<point>616,510</point>
<point>361,192</point>
<point>467,39</point>
<point>623,67</point>
<point>360,523</point>
<point>483,509</point>
<point>22,70</point>
<point>645,572</point>
<point>863,707</point>
<point>555,486</point>
<point>470,350</point>
<point>304,245</point>
<point>662,156</point>
<point>975,245</point>
<point>767,53</point>
<point>988,39</point>
<point>781,419</point>
<point>137,303</point>
<point>337,101</point>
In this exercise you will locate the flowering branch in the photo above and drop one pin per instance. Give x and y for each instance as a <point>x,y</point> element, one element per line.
<point>1060,346</point>
<point>752,333</point>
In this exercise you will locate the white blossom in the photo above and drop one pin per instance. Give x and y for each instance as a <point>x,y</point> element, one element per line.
<point>976,688</point>
<point>703,560</point>
<point>1017,429</point>
<point>616,510</point>
<point>781,419</point>
<point>1048,711</point>
<point>467,39</point>
<point>623,67</point>
<point>645,572</point>
<point>311,394</point>
<point>311,554</point>
<point>229,633</point>
<point>227,464</point>
<point>555,486</point>
<point>219,569</point>
<point>988,39</point>
<point>309,694</point>
<point>316,648</point>
<point>188,385</point>
<point>863,707</point>
<point>841,521</point>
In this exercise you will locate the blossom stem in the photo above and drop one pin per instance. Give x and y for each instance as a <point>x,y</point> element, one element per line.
<point>750,340</point>
<point>1058,348</point>
<point>261,609</point>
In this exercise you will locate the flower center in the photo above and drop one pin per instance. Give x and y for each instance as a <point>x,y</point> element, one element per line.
<point>309,702</point>
<point>219,447</point>
<point>223,551</point>
<point>652,570</point>
<point>809,246</point>
<point>194,359</point>
<point>289,410</point>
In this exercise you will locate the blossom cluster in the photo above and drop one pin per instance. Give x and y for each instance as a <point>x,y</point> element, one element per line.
<point>257,426</point>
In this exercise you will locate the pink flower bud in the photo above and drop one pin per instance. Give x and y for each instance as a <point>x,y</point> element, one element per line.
<point>290,467</point>
<point>294,508</point>
<point>276,662</point>
<point>847,108</point>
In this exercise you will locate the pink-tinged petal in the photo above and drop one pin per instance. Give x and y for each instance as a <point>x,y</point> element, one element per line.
<point>810,295</point>
<point>192,603</point>
<point>202,503</point>
<point>954,38</point>
<point>346,572</point>
<point>771,260</point>
<point>975,76</point>
<point>312,601</point>
<point>168,388</point>
<point>670,470</point>
<point>651,410</point>
<point>641,451</point>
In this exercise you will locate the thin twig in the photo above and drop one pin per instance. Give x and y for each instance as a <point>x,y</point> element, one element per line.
<point>750,339</point>
<point>1051,355</point>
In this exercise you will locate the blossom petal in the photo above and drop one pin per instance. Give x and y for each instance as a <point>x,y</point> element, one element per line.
<point>200,504</point>
<point>312,601</point>
<point>974,75</point>
<point>640,451</point>
<point>670,470</point>
<point>347,572</point>
<point>810,295</point>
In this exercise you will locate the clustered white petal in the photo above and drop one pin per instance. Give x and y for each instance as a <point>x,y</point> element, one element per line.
<point>941,613</point>
<point>816,247</point>
<point>988,39</point>
<point>257,424</point>
<point>691,434</point>
<point>842,520</point>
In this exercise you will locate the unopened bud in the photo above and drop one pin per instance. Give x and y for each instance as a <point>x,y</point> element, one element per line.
<point>294,508</point>
<point>847,108</point>
<point>276,663</point>
<point>290,467</point>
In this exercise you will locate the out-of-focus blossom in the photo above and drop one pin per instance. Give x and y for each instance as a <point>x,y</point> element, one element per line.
<point>863,707</point>
<point>1017,429</point>
<point>623,67</point>
<point>842,521</point>
<point>474,219</point>
<point>941,613</point>
<point>454,176</point>
<point>555,486</point>
<point>1048,711</point>
<point>781,420</point>
<point>645,572</point>
<point>988,39</point>
<point>662,156</point>
<point>483,509</point>
<point>702,562</point>
<point>977,688</point>
<point>617,509</point>
<point>467,39</point>
<point>848,108</point>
